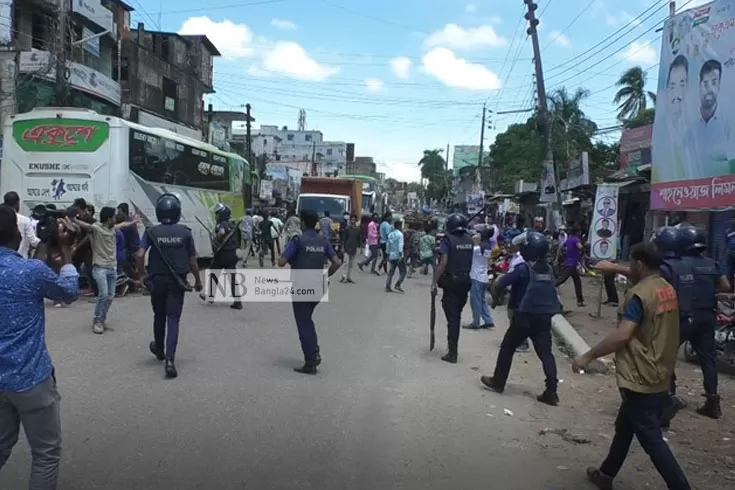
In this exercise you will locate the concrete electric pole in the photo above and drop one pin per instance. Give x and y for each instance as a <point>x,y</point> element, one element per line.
<point>544,114</point>
<point>62,72</point>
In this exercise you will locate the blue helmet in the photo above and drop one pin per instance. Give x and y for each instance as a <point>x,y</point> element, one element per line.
<point>168,209</point>
<point>456,223</point>
<point>534,246</point>
<point>685,239</point>
<point>667,241</point>
<point>222,212</point>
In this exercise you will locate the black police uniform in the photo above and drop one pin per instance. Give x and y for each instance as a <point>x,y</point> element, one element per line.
<point>532,319</point>
<point>311,250</point>
<point>456,285</point>
<point>167,295</point>
<point>701,331</point>
<point>226,255</point>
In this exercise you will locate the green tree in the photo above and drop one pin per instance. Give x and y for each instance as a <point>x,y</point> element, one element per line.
<point>571,129</point>
<point>643,118</point>
<point>516,154</point>
<point>433,169</point>
<point>603,160</point>
<point>632,97</point>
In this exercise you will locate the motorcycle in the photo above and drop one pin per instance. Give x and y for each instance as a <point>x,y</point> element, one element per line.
<point>724,333</point>
<point>499,267</point>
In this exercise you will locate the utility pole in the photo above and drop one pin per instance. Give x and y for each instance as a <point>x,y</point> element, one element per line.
<point>248,142</point>
<point>313,159</point>
<point>542,102</point>
<point>62,73</point>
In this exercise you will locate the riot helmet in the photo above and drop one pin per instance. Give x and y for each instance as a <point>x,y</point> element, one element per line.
<point>168,209</point>
<point>666,241</point>
<point>222,212</point>
<point>456,223</point>
<point>534,246</point>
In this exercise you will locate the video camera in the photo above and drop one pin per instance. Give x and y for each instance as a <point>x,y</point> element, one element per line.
<point>47,229</point>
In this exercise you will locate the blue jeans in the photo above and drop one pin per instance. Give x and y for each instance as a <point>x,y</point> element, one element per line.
<point>478,303</point>
<point>105,278</point>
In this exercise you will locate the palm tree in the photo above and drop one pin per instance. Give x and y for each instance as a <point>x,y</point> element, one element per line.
<point>571,129</point>
<point>432,169</point>
<point>632,96</point>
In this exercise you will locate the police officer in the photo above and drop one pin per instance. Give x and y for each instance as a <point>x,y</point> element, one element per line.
<point>453,276</point>
<point>304,252</point>
<point>172,256</point>
<point>708,281</point>
<point>225,243</point>
<point>534,297</point>
<point>671,245</point>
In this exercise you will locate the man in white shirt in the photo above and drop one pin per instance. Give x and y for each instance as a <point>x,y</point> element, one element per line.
<point>276,230</point>
<point>481,316</point>
<point>25,225</point>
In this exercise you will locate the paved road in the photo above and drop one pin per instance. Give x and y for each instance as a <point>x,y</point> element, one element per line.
<point>383,413</point>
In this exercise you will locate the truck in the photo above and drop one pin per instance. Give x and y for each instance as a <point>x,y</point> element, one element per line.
<point>338,196</point>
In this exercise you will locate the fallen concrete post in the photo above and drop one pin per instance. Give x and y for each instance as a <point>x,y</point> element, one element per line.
<point>575,343</point>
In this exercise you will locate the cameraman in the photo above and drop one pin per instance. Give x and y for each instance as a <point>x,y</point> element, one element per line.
<point>28,393</point>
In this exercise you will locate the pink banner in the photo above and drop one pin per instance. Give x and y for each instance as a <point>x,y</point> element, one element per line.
<point>694,194</point>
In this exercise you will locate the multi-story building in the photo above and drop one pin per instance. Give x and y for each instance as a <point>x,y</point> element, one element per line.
<point>164,77</point>
<point>362,166</point>
<point>299,149</point>
<point>154,78</point>
<point>91,51</point>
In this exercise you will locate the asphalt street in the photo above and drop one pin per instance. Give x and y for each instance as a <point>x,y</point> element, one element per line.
<point>383,413</point>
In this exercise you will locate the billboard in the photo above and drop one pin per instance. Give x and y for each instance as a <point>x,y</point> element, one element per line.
<point>693,140</point>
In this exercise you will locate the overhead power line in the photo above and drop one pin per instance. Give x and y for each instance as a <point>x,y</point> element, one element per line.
<point>589,5</point>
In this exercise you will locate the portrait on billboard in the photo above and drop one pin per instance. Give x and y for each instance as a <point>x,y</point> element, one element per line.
<point>604,228</point>
<point>693,134</point>
<point>606,207</point>
<point>602,249</point>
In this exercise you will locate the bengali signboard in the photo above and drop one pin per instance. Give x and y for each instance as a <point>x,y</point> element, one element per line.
<point>604,228</point>
<point>635,148</point>
<point>60,135</point>
<point>694,132</point>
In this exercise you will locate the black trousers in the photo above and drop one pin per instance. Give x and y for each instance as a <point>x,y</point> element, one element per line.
<point>640,416</point>
<point>522,327</point>
<point>700,333</point>
<point>384,261</point>
<point>454,299</point>
<point>610,289</point>
<point>225,260</point>
<point>572,272</point>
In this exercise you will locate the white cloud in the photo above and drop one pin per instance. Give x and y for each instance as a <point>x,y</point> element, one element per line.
<point>271,58</point>
<point>454,36</point>
<point>470,8</point>
<point>290,59</point>
<point>283,24</point>
<point>641,52</point>
<point>373,84</point>
<point>616,20</point>
<point>232,40</point>
<point>401,66</point>
<point>560,39</point>
<point>443,65</point>
<point>402,172</point>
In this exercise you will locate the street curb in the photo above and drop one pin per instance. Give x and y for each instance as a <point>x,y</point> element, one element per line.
<point>576,346</point>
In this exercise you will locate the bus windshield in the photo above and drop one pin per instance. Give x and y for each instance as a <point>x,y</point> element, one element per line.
<point>336,206</point>
<point>367,202</point>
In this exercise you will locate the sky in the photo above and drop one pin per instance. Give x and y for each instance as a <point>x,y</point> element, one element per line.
<point>397,77</point>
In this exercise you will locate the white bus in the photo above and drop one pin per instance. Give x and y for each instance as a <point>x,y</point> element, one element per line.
<point>56,155</point>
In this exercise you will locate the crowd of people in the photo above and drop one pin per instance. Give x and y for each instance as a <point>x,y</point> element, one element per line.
<point>672,299</point>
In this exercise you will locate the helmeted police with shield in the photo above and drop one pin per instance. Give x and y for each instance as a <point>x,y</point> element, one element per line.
<point>172,256</point>
<point>453,276</point>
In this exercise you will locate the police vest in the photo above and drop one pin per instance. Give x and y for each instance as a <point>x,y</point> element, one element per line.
<point>706,276</point>
<point>232,243</point>
<point>682,278</point>
<point>172,241</point>
<point>310,251</point>
<point>541,297</point>
<point>459,260</point>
